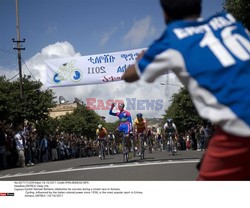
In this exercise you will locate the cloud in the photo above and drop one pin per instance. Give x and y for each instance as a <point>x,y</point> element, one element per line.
<point>37,65</point>
<point>140,30</point>
<point>8,64</point>
<point>106,36</point>
<point>117,91</point>
<point>9,73</point>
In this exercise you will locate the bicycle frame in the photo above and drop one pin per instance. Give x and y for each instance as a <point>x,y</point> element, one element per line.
<point>102,149</point>
<point>171,143</point>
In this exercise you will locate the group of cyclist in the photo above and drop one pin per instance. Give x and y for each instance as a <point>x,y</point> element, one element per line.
<point>136,133</point>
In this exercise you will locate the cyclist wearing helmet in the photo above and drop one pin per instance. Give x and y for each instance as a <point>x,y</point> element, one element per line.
<point>101,134</point>
<point>140,127</point>
<point>140,124</point>
<point>170,128</point>
<point>125,120</point>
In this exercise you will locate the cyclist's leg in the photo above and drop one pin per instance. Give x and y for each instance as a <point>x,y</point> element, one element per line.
<point>139,142</point>
<point>100,148</point>
<point>136,142</point>
<point>175,143</point>
<point>104,146</point>
<point>124,148</point>
<point>121,129</point>
<point>127,130</point>
<point>167,143</point>
<point>99,145</point>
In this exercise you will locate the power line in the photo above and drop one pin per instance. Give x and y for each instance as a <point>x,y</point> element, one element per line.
<point>4,50</point>
<point>13,77</point>
<point>29,70</point>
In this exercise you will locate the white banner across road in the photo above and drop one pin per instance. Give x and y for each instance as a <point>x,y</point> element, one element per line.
<point>84,70</point>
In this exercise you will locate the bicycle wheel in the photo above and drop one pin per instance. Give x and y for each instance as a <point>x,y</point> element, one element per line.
<point>133,146</point>
<point>101,150</point>
<point>172,146</point>
<point>124,151</point>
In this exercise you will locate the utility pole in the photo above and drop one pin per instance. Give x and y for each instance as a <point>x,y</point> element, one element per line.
<point>19,48</point>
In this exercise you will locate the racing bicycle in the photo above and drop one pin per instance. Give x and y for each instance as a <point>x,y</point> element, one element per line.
<point>171,145</point>
<point>142,147</point>
<point>125,149</point>
<point>102,149</point>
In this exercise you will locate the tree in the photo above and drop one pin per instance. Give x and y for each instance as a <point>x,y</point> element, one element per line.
<point>47,126</point>
<point>81,121</point>
<point>112,126</point>
<point>34,106</point>
<point>182,111</point>
<point>240,9</point>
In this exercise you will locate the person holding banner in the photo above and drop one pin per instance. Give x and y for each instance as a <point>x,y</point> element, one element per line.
<point>212,59</point>
<point>125,121</point>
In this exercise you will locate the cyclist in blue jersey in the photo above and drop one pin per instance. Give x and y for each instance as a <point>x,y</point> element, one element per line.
<point>212,59</point>
<point>125,121</point>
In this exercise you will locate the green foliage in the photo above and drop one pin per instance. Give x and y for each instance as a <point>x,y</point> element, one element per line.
<point>33,107</point>
<point>47,126</point>
<point>240,9</point>
<point>182,111</point>
<point>81,121</point>
<point>112,126</point>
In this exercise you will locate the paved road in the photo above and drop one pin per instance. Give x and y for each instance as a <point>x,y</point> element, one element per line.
<point>158,166</point>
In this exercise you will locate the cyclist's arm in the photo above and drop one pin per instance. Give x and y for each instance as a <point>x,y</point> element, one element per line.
<point>97,134</point>
<point>130,121</point>
<point>132,73</point>
<point>134,128</point>
<point>146,126</point>
<point>176,132</point>
<point>112,113</point>
<point>164,128</point>
<point>154,63</point>
<point>105,130</point>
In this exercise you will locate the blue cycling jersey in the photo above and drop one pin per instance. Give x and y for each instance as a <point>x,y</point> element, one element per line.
<point>125,120</point>
<point>212,59</point>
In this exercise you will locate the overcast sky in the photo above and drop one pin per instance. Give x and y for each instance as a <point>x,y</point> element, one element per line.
<point>63,28</point>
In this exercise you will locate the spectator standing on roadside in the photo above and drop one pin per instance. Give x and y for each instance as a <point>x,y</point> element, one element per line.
<point>20,145</point>
<point>44,148</point>
<point>193,139</point>
<point>28,150</point>
<point>54,145</point>
<point>218,80</point>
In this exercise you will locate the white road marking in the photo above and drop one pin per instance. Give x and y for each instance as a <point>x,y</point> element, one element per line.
<point>102,167</point>
<point>68,169</point>
<point>17,174</point>
<point>30,172</point>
